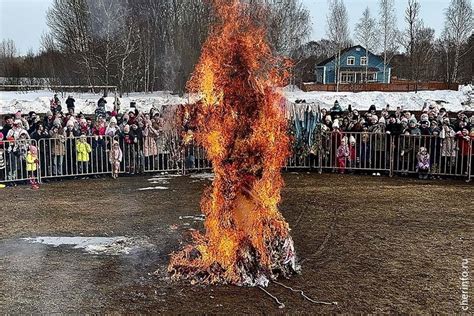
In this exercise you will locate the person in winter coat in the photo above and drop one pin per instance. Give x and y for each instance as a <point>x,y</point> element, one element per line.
<point>2,158</point>
<point>32,165</point>
<point>83,149</point>
<point>58,149</point>
<point>423,163</point>
<point>150,147</point>
<point>352,152</point>
<point>115,158</point>
<point>342,155</point>
<point>464,143</point>
<point>100,110</point>
<point>55,105</point>
<point>70,104</point>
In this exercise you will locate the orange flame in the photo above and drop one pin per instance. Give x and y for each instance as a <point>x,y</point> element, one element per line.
<point>241,124</point>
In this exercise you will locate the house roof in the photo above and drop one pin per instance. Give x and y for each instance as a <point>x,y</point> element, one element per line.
<point>324,62</point>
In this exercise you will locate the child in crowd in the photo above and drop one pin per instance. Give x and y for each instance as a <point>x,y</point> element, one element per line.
<point>423,165</point>
<point>32,165</point>
<point>83,149</point>
<point>115,159</point>
<point>342,155</point>
<point>352,152</point>
<point>2,158</point>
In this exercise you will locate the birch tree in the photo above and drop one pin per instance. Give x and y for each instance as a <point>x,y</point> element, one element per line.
<point>366,34</point>
<point>457,28</point>
<point>388,31</point>
<point>338,31</point>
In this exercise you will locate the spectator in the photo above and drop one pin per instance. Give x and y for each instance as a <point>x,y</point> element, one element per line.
<point>115,158</point>
<point>70,104</point>
<point>32,165</point>
<point>83,149</point>
<point>342,155</point>
<point>423,165</point>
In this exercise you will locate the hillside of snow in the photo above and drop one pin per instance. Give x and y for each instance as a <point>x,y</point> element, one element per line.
<point>39,101</point>
<point>451,100</point>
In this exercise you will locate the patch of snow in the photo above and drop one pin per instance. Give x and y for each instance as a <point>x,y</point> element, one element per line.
<point>195,218</point>
<point>202,176</point>
<point>153,188</point>
<point>93,245</point>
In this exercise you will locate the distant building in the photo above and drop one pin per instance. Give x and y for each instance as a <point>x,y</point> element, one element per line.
<point>353,68</point>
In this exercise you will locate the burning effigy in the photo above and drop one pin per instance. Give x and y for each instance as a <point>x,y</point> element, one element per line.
<point>240,121</point>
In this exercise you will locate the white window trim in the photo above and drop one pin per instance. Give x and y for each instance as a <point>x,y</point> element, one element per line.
<point>353,59</point>
<point>366,61</point>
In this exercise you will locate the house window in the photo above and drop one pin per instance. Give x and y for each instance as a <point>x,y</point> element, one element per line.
<point>351,60</point>
<point>347,77</point>
<point>363,61</point>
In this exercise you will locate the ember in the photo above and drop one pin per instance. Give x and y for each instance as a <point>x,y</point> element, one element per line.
<point>241,124</point>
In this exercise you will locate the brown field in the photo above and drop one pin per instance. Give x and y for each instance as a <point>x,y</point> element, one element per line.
<point>373,244</point>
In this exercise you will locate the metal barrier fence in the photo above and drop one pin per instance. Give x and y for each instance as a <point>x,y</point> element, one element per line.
<point>15,163</point>
<point>380,152</point>
<point>338,152</point>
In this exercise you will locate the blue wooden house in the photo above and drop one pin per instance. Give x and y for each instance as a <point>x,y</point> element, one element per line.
<point>353,68</point>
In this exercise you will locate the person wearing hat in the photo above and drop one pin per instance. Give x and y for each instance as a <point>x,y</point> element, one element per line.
<point>2,157</point>
<point>423,163</point>
<point>8,125</point>
<point>70,104</point>
<point>425,128</point>
<point>83,149</point>
<point>115,158</point>
<point>32,165</point>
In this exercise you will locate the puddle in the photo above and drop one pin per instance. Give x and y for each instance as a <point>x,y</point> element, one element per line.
<point>94,245</point>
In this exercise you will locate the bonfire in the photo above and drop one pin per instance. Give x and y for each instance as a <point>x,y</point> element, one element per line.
<point>240,122</point>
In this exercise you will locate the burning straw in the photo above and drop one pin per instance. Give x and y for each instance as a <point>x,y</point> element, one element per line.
<point>240,122</point>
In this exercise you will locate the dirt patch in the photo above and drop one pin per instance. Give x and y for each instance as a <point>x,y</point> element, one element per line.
<point>373,244</point>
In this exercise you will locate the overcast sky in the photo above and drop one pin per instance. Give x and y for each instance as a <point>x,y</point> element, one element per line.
<point>24,21</point>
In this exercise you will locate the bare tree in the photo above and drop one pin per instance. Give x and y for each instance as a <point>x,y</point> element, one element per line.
<point>338,31</point>
<point>458,28</point>
<point>367,35</point>
<point>388,31</point>
<point>409,38</point>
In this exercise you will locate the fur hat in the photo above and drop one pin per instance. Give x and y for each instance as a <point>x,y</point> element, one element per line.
<point>113,120</point>
<point>352,140</point>
<point>335,124</point>
<point>382,120</point>
<point>33,150</point>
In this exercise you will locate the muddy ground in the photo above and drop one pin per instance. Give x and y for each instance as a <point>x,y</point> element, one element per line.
<point>373,244</point>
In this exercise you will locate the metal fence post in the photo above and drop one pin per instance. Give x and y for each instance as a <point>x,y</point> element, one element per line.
<point>391,154</point>
<point>469,160</point>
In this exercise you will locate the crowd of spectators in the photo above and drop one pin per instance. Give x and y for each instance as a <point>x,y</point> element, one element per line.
<point>74,143</point>
<point>349,139</point>
<point>432,141</point>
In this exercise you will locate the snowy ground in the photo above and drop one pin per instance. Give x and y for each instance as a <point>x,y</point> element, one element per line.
<point>38,101</point>
<point>451,100</point>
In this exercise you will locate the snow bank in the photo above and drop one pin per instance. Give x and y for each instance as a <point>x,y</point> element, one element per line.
<point>451,100</point>
<point>38,101</point>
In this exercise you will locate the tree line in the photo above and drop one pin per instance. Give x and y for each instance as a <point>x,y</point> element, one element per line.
<point>150,45</point>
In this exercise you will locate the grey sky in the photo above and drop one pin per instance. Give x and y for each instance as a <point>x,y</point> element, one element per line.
<point>24,21</point>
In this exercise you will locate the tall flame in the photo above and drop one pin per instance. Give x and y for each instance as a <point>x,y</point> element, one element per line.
<point>241,124</point>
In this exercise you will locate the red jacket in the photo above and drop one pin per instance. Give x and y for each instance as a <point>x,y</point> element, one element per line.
<point>464,142</point>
